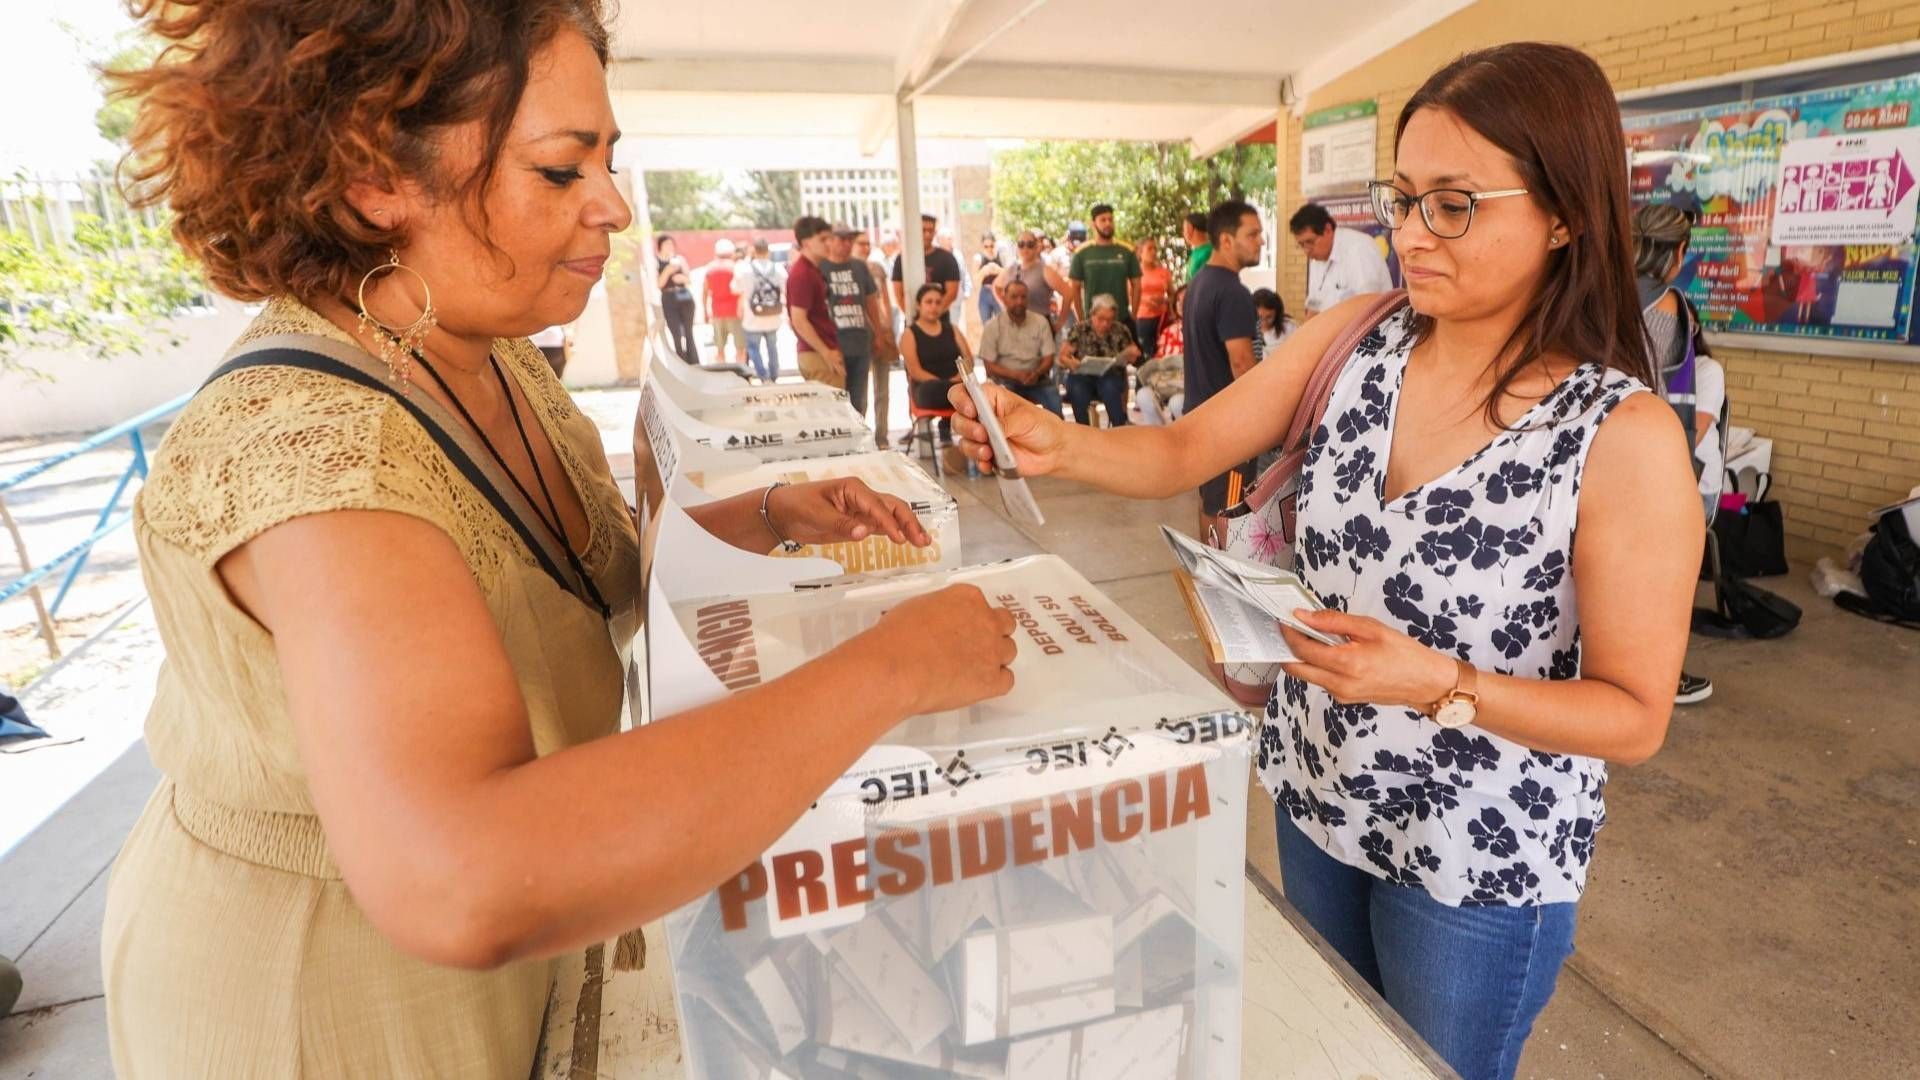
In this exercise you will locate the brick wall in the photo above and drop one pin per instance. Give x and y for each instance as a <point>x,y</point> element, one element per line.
<point>1846,432</point>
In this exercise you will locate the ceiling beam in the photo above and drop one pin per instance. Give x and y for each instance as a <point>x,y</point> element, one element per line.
<point>1217,135</point>
<point>923,47</point>
<point>718,75</point>
<point>1383,33</point>
<point>1130,86</point>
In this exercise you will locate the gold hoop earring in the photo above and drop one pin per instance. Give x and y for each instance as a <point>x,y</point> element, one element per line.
<point>397,344</point>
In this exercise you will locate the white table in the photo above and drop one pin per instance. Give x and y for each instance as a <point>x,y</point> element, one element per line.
<point>1307,1016</point>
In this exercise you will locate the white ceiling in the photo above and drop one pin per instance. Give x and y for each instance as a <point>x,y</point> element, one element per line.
<point>830,70</point>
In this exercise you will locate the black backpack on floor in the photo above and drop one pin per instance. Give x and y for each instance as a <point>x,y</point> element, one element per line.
<point>1890,571</point>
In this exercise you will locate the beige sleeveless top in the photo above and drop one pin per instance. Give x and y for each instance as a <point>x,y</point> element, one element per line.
<point>232,827</point>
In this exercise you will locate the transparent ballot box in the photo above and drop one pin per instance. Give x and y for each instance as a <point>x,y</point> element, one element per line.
<point>1048,884</point>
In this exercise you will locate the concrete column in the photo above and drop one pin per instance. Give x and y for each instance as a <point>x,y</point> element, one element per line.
<point>632,297</point>
<point>913,266</point>
<point>972,186</point>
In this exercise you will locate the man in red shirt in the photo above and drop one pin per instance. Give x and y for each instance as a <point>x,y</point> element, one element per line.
<point>723,304</point>
<point>808,310</point>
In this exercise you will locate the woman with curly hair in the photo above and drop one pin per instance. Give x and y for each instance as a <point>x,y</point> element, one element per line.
<point>396,582</point>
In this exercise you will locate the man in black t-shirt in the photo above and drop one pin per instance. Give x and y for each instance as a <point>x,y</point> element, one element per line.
<point>942,269</point>
<point>1219,326</point>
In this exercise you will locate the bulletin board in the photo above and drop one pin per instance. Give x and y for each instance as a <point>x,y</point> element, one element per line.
<point>1806,188</point>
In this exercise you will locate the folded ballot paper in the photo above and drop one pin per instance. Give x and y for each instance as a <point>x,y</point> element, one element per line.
<point>1050,877</point>
<point>1242,604</point>
<point>1014,494</point>
<point>1095,366</point>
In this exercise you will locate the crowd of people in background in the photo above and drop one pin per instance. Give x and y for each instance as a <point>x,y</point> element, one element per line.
<point>1091,326</point>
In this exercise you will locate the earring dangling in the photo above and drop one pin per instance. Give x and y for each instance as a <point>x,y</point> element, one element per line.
<point>397,344</point>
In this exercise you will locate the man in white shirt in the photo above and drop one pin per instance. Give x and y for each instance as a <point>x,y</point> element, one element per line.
<point>1018,347</point>
<point>1341,263</point>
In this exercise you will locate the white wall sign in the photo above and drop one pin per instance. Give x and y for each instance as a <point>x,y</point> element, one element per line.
<point>1848,189</point>
<point>1337,148</point>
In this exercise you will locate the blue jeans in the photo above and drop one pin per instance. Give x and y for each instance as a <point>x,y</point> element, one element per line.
<point>1043,393</point>
<point>768,368</point>
<point>1470,980</point>
<point>1112,390</point>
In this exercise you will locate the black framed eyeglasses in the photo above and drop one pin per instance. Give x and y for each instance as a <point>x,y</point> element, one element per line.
<point>1448,212</point>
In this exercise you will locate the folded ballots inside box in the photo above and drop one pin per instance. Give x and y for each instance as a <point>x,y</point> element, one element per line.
<point>1070,854</point>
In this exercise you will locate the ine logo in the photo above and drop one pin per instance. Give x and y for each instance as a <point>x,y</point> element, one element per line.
<point>1113,744</point>
<point>957,772</point>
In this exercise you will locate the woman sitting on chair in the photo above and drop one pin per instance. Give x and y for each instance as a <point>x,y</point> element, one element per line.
<point>933,351</point>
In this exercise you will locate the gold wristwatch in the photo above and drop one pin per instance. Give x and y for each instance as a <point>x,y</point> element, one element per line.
<point>1460,705</point>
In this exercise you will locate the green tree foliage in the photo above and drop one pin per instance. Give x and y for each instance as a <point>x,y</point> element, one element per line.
<point>684,199</point>
<point>769,199</point>
<point>116,115</point>
<point>107,293</point>
<point>1152,186</point>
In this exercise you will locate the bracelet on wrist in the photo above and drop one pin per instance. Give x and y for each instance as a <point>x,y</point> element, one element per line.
<point>766,518</point>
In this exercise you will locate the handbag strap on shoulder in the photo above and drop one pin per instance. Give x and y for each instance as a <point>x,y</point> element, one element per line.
<point>313,353</point>
<point>1313,402</point>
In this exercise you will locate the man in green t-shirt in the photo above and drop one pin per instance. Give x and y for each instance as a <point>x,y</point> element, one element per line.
<point>1199,248</point>
<point>1105,268</point>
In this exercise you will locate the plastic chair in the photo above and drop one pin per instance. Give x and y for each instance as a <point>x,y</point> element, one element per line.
<point>923,421</point>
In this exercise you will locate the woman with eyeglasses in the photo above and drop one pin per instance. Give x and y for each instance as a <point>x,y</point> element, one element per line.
<point>1438,775</point>
<point>1043,281</point>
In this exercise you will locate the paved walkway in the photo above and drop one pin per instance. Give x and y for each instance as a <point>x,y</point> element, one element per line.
<point>1750,912</point>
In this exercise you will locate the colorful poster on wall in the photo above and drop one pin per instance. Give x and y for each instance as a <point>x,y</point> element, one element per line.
<point>1337,148</point>
<point>1356,212</point>
<point>1823,279</point>
<point>1848,189</point>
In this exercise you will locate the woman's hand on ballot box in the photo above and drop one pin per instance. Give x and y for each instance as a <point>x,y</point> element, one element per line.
<point>811,512</point>
<point>829,511</point>
<point>949,649</point>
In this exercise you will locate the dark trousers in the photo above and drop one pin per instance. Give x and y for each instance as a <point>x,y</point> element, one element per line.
<point>859,360</point>
<point>679,308</point>
<point>1111,389</point>
<point>1146,333</point>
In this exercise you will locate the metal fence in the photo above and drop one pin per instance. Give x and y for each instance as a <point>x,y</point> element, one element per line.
<point>111,517</point>
<point>50,211</point>
<point>869,199</point>
<point>85,223</point>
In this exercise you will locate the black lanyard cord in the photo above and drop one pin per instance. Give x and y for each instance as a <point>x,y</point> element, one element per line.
<point>553,526</point>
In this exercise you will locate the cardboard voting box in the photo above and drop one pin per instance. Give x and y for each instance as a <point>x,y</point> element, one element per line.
<point>810,426</point>
<point>1046,884</point>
